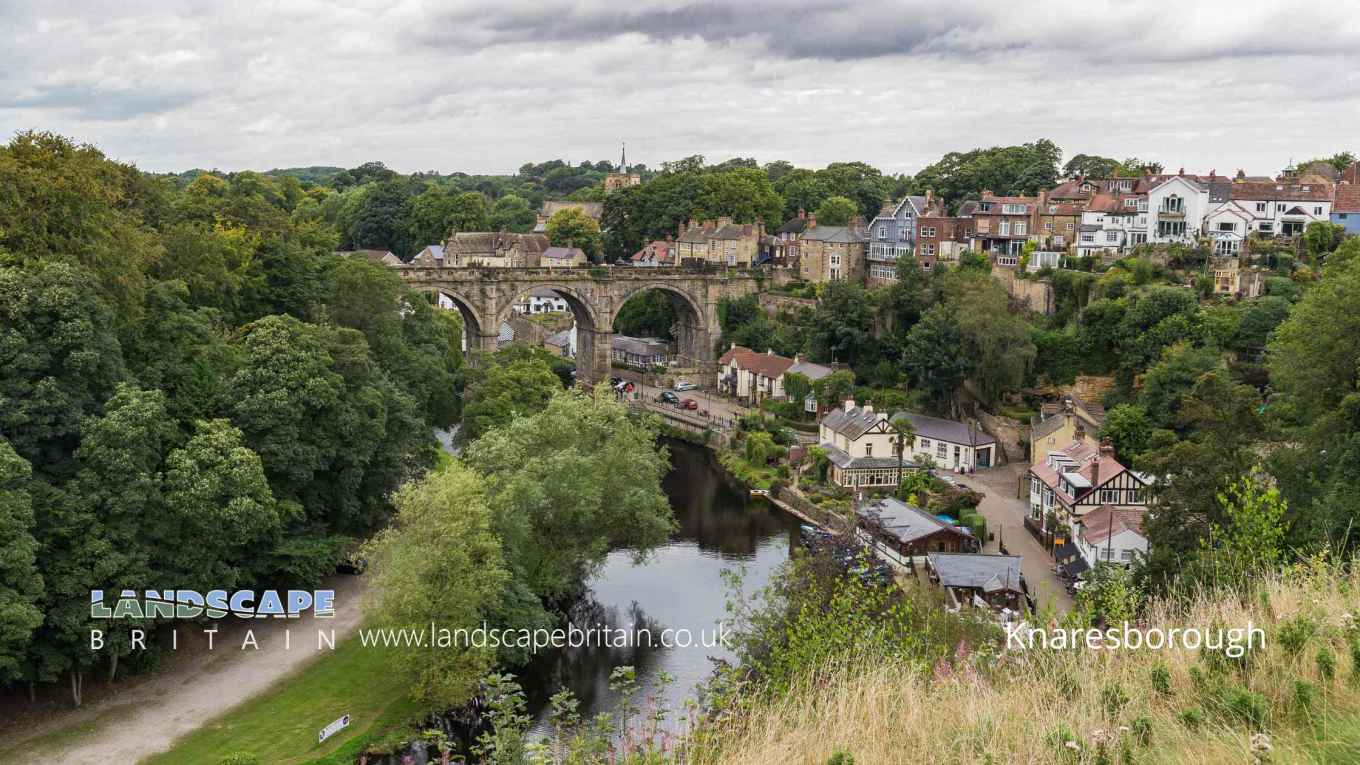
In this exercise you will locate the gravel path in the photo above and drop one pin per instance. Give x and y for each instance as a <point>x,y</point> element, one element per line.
<point>148,716</point>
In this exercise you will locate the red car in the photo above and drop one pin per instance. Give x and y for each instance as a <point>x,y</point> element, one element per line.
<point>689,403</point>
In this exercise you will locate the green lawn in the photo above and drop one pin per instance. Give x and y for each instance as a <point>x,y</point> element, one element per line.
<point>281,725</point>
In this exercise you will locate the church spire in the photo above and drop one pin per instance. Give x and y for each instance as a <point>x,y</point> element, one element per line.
<point>623,158</point>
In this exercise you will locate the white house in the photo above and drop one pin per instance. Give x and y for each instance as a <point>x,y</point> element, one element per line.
<point>862,445</point>
<point>540,300</point>
<point>1228,226</point>
<point>1177,207</point>
<point>1112,534</point>
<point>1282,208</point>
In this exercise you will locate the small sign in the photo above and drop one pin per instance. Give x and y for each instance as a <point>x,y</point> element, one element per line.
<point>332,729</point>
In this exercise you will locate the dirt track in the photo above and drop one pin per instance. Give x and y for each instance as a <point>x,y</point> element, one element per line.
<point>148,716</point>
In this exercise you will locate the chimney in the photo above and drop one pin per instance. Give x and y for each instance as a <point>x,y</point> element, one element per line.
<point>1106,448</point>
<point>1241,175</point>
<point>1213,174</point>
<point>802,213</point>
<point>930,197</point>
<point>769,351</point>
<point>857,224</point>
<point>681,231</point>
<point>1095,474</point>
<point>869,407</point>
<point>724,220</point>
<point>1351,174</point>
<point>849,404</point>
<point>1181,172</point>
<point>795,358</point>
<point>812,221</point>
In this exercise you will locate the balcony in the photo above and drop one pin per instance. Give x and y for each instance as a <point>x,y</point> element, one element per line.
<point>1168,214</point>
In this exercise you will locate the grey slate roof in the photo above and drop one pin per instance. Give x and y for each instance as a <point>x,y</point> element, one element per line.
<point>853,423</point>
<point>563,253</point>
<point>793,226</point>
<point>947,430</point>
<point>906,522</point>
<point>834,234</point>
<point>809,370</point>
<point>989,573</point>
<point>640,346</point>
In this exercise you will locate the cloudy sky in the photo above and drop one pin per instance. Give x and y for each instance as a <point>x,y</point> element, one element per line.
<point>483,86</point>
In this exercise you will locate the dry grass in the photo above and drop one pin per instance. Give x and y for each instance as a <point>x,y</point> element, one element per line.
<point>1023,707</point>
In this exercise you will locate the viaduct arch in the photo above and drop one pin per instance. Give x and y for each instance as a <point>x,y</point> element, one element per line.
<point>485,297</point>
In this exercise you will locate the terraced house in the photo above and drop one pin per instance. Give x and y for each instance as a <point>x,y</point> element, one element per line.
<point>719,242</point>
<point>494,250</point>
<point>832,253</point>
<point>1001,226</point>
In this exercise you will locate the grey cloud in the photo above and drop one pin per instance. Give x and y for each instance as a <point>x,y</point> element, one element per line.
<point>90,102</point>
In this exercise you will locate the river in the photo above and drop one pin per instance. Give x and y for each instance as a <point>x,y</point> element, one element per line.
<point>679,586</point>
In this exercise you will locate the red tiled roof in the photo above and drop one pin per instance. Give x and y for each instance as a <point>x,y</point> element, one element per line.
<point>765,364</point>
<point>1347,198</point>
<point>1107,520</point>
<point>1291,192</point>
<point>662,250</point>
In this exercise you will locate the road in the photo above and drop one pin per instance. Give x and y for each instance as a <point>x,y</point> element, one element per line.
<point>150,713</point>
<point>1005,514</point>
<point>721,410</point>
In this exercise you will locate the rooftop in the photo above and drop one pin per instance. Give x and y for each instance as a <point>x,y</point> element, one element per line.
<point>989,573</point>
<point>907,523</point>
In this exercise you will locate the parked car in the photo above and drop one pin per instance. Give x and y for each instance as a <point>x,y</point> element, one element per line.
<point>667,397</point>
<point>690,403</point>
<point>684,385</point>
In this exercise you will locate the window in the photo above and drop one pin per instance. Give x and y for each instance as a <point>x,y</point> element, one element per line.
<point>925,443</point>
<point>1069,225</point>
<point>1111,236</point>
<point>1109,496</point>
<point>941,450</point>
<point>1260,207</point>
<point>1135,497</point>
<point>869,449</point>
<point>1013,209</point>
<point>927,249</point>
<point>882,232</point>
<point>1227,225</point>
<point>1173,204</point>
<point>1048,225</point>
<point>928,231</point>
<point>1279,208</point>
<point>1131,202</point>
<point>1126,555</point>
<point>1317,210</point>
<point>1088,236</point>
<point>1019,228</point>
<point>1268,225</point>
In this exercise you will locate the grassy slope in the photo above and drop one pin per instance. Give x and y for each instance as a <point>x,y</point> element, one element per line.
<point>1026,707</point>
<point>281,725</point>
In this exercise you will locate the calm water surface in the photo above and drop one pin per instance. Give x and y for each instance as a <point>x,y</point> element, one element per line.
<point>679,585</point>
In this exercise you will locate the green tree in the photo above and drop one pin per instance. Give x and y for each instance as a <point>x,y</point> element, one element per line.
<point>843,324</point>
<point>21,585</point>
<point>512,213</point>
<point>378,222</point>
<point>1128,428</point>
<point>1090,166</point>
<point>436,213</point>
<point>571,482</point>
<point>510,385</point>
<point>440,562</point>
<point>1320,238</point>
<point>904,434</point>
<point>1171,378</point>
<point>59,359</point>
<point>836,211</point>
<point>220,506</point>
<point>571,227</point>
<point>932,355</point>
<point>835,388</point>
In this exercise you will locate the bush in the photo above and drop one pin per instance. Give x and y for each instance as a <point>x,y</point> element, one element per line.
<point>1246,706</point>
<point>977,524</point>
<point>1161,679</point>
<point>1292,635</point>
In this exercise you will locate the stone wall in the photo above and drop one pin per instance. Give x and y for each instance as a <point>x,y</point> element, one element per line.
<point>1037,295</point>
<point>1008,432</point>
<point>773,303</point>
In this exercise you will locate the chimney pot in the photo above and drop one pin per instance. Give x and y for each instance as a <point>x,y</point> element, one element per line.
<point>802,213</point>
<point>849,404</point>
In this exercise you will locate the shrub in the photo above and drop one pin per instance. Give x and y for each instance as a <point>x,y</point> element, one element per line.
<point>1113,698</point>
<point>1141,728</point>
<point>1161,679</point>
<point>1326,663</point>
<point>1305,695</point>
<point>1293,634</point>
<point>1246,706</point>
<point>1191,718</point>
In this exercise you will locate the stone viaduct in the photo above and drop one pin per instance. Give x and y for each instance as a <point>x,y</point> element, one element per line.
<point>485,296</point>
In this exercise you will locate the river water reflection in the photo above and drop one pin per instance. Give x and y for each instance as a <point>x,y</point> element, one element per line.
<point>678,586</point>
